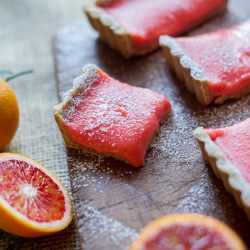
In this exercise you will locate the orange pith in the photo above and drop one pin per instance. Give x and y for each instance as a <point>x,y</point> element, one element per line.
<point>30,191</point>
<point>33,202</point>
<point>9,114</point>
<point>187,231</point>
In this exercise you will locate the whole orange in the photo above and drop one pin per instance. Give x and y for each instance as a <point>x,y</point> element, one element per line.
<point>9,114</point>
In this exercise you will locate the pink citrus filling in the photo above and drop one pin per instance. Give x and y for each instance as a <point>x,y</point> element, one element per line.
<point>234,142</point>
<point>30,191</point>
<point>114,118</point>
<point>187,237</point>
<point>223,56</point>
<point>147,20</point>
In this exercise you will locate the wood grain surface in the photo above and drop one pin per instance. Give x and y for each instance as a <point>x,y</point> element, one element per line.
<point>113,201</point>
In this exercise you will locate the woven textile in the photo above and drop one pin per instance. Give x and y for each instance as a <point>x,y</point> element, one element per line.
<point>26,33</point>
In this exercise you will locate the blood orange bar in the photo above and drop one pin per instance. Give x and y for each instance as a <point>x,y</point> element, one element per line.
<point>103,115</point>
<point>215,66</point>
<point>134,26</point>
<point>228,152</point>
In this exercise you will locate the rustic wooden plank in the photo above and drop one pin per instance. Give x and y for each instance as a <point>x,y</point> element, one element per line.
<point>113,200</point>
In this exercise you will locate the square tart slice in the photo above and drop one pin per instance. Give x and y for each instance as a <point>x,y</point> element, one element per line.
<point>105,116</point>
<point>214,66</point>
<point>133,27</point>
<point>228,152</point>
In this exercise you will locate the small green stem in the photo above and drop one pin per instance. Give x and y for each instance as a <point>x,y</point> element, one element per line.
<point>25,72</point>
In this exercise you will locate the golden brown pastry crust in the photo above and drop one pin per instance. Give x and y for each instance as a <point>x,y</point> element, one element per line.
<point>111,31</point>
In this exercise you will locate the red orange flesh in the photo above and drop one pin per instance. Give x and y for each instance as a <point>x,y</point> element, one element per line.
<point>31,198</point>
<point>187,231</point>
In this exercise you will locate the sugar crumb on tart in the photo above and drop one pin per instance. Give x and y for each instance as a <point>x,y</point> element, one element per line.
<point>105,116</point>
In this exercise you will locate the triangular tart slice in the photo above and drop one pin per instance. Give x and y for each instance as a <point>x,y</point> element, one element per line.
<point>104,116</point>
<point>133,27</point>
<point>228,152</point>
<point>215,66</point>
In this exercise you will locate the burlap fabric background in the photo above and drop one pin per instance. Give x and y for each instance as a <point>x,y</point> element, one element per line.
<point>27,28</point>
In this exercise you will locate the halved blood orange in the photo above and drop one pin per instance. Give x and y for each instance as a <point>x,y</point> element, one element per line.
<point>33,202</point>
<point>187,232</point>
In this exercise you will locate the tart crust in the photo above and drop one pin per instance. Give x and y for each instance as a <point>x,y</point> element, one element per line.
<point>189,72</point>
<point>225,170</point>
<point>111,31</point>
<point>117,36</point>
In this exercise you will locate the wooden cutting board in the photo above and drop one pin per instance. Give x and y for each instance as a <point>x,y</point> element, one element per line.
<point>113,201</point>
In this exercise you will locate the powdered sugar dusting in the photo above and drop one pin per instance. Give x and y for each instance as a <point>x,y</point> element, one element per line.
<point>102,230</point>
<point>81,83</point>
<point>201,192</point>
<point>183,122</point>
<point>94,172</point>
<point>84,173</point>
<point>94,225</point>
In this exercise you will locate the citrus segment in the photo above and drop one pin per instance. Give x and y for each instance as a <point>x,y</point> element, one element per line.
<point>30,191</point>
<point>185,232</point>
<point>31,198</point>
